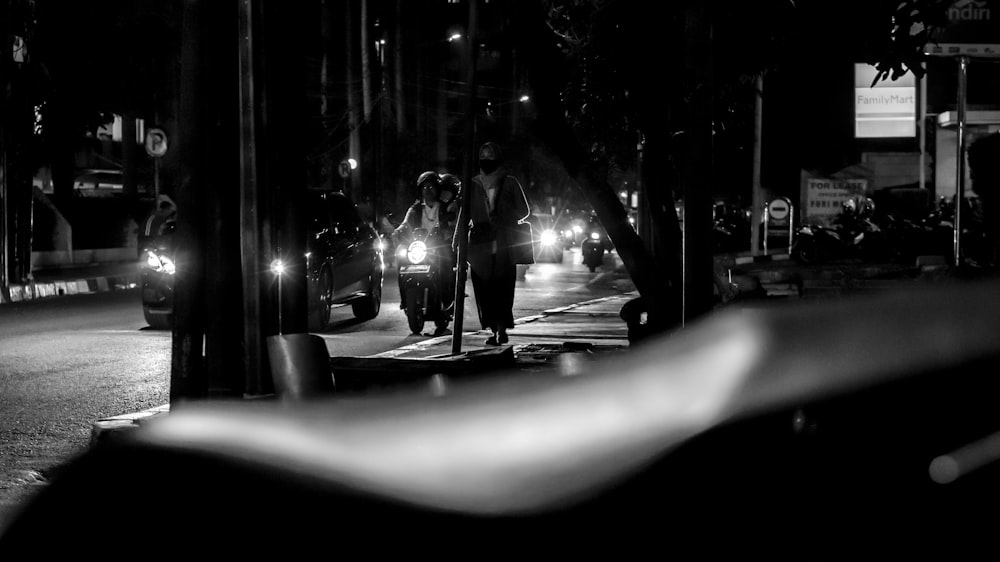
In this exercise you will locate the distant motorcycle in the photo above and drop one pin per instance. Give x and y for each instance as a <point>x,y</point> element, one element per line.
<point>593,246</point>
<point>424,274</point>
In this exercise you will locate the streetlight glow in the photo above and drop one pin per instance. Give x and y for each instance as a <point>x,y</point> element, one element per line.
<point>454,37</point>
<point>278,267</point>
<point>353,163</point>
<point>525,99</point>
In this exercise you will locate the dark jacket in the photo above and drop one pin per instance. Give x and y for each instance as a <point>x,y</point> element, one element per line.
<point>485,228</point>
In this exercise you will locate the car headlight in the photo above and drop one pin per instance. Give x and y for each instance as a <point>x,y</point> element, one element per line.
<point>548,237</point>
<point>595,236</point>
<point>417,252</point>
<point>160,264</point>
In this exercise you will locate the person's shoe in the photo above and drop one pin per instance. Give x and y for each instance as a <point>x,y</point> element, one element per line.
<point>492,340</point>
<point>441,331</point>
<point>502,338</point>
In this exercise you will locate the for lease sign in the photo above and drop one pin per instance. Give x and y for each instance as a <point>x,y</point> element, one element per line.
<point>822,198</point>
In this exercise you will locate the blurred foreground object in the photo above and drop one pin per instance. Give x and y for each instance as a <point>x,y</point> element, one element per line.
<point>805,425</point>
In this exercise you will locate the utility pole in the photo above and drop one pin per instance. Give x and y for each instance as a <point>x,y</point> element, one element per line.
<point>5,64</point>
<point>471,54</point>
<point>366,71</point>
<point>963,81</point>
<point>757,197</point>
<point>397,56</point>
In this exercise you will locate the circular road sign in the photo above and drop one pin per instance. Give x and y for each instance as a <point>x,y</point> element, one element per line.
<point>156,143</point>
<point>778,209</point>
<point>345,169</point>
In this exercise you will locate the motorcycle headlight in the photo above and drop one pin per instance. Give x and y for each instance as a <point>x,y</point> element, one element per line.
<point>417,252</point>
<point>160,264</point>
<point>595,236</point>
<point>548,237</point>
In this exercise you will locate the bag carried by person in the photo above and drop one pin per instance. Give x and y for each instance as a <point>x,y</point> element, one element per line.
<point>519,239</point>
<point>522,248</point>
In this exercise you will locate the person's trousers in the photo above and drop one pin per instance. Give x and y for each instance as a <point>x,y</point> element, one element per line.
<point>495,295</point>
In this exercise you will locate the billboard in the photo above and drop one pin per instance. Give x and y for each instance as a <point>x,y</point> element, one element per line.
<point>886,110</point>
<point>822,198</point>
<point>973,29</point>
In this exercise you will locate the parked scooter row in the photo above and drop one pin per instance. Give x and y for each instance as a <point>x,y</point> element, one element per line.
<point>857,233</point>
<point>853,235</point>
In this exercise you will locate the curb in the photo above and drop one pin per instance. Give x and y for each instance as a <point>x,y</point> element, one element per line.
<point>40,290</point>
<point>104,428</point>
<point>743,260</point>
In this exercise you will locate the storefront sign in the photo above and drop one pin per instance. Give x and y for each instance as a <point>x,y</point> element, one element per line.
<point>886,110</point>
<point>973,30</point>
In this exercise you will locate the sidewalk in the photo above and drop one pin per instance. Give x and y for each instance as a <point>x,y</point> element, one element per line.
<point>556,342</point>
<point>73,280</point>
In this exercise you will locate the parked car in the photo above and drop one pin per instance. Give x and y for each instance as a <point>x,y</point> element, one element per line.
<point>548,240</point>
<point>157,259</point>
<point>343,265</point>
<point>344,261</point>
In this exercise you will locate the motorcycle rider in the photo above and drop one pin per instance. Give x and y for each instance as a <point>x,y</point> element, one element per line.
<point>430,214</point>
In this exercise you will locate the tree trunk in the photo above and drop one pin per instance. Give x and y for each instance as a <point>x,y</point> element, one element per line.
<point>651,280</point>
<point>187,373</point>
<point>665,237</point>
<point>696,163</point>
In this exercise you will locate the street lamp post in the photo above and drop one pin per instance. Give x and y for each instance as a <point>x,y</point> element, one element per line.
<point>470,150</point>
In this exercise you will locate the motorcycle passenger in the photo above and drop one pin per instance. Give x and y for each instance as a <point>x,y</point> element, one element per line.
<point>430,214</point>
<point>451,193</point>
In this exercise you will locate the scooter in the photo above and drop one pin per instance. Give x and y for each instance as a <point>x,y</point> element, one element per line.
<point>424,274</point>
<point>593,248</point>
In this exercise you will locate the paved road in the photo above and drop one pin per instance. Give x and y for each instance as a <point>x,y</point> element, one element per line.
<point>68,361</point>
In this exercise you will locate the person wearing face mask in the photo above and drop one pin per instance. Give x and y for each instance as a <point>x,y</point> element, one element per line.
<point>496,204</point>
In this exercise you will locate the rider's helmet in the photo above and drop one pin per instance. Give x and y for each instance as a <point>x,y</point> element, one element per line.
<point>450,186</point>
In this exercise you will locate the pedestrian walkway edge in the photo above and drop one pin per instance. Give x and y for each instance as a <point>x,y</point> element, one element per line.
<point>33,290</point>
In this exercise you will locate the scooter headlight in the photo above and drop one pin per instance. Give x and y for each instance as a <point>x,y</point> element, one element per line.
<point>595,236</point>
<point>160,264</point>
<point>548,237</point>
<point>417,252</point>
